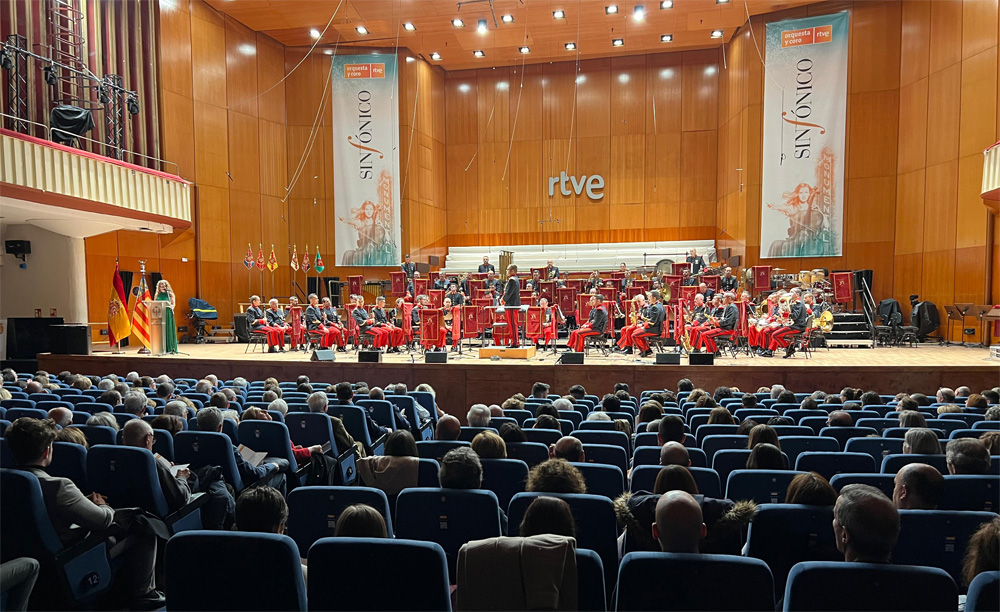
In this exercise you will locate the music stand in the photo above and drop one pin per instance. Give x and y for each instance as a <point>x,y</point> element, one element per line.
<point>979,311</point>
<point>956,312</point>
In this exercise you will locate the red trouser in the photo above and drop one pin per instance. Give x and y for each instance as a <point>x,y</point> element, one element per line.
<point>695,332</point>
<point>379,336</point>
<point>752,336</point>
<point>627,337</point>
<point>779,338</point>
<point>639,338</point>
<point>511,315</point>
<point>441,340</point>
<point>396,335</point>
<point>578,337</point>
<point>765,336</point>
<point>275,335</point>
<point>710,336</point>
<point>327,336</point>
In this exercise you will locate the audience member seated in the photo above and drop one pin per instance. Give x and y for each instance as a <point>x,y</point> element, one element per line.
<point>548,515</point>
<point>993,413</point>
<point>461,469</point>
<point>74,515</point>
<point>674,453</point>
<point>489,445</point>
<point>918,486</point>
<point>394,471</point>
<point>73,435</point>
<point>63,417</point>
<point>547,421</point>
<point>921,441</point>
<point>548,410</point>
<point>679,525</point>
<point>977,401</point>
<point>176,408</point>
<point>991,440</point>
<point>945,396</point>
<point>479,415</point>
<point>967,456</point>
<point>912,418</point>
<point>762,434</point>
<point>176,490</point>
<point>720,416</point>
<point>982,553</point>
<point>555,476</point>
<point>766,456</point>
<point>512,433</point>
<point>839,418</point>
<point>345,397</point>
<point>302,454</point>
<point>361,521</point>
<point>865,524</point>
<point>448,428</point>
<point>18,577</point>
<point>210,419</point>
<point>810,489</point>
<point>168,422</point>
<point>597,415</point>
<point>568,448</point>
<point>135,403</point>
<point>671,429</point>
<point>103,419</point>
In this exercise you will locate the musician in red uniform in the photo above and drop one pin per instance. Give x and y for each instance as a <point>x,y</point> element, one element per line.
<point>652,327</point>
<point>596,324</point>
<point>332,322</point>
<point>625,342</point>
<point>699,319</point>
<point>396,335</point>
<point>258,323</point>
<point>366,323</point>
<point>725,326</point>
<point>424,303</point>
<point>548,330</point>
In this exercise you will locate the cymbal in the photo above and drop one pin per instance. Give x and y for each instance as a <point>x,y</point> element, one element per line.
<point>777,269</point>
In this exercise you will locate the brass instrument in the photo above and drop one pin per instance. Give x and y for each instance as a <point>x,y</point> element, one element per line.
<point>824,322</point>
<point>785,309</point>
<point>635,312</point>
<point>686,341</point>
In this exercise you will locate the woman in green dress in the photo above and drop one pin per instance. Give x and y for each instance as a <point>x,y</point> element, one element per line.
<point>164,292</point>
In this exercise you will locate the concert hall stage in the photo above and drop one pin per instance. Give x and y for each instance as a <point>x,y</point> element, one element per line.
<point>466,380</point>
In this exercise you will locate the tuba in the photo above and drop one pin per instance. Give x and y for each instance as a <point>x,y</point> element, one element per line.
<point>824,322</point>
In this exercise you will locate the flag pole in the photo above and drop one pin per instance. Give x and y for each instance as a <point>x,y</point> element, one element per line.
<point>142,281</point>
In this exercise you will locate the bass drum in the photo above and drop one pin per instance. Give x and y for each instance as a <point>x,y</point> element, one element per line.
<point>664,266</point>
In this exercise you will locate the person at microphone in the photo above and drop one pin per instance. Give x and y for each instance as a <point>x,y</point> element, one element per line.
<point>511,301</point>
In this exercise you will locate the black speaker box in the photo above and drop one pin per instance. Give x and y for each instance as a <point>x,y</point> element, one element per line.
<point>701,359</point>
<point>668,359</point>
<point>572,358</point>
<point>435,357</point>
<point>69,339</point>
<point>324,355</point>
<point>369,356</point>
<point>241,328</point>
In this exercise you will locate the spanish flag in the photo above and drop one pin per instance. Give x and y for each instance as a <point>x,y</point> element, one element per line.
<point>119,326</point>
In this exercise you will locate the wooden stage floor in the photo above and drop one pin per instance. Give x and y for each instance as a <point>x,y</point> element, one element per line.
<point>466,379</point>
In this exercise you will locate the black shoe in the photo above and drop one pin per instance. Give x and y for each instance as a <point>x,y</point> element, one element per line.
<point>281,350</point>
<point>789,352</point>
<point>646,354</point>
<point>453,349</point>
<point>341,349</point>
<point>152,600</point>
<point>272,350</point>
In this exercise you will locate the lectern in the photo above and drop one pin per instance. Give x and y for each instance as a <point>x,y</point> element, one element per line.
<point>157,326</point>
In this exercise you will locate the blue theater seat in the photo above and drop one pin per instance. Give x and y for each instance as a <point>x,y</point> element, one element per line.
<point>313,511</point>
<point>829,464</point>
<point>505,477</point>
<point>782,535</point>
<point>606,480</point>
<point>970,492</point>
<point>531,453</point>
<point>761,486</point>
<point>882,482</point>
<point>815,586</point>
<point>984,593</point>
<point>936,538</point>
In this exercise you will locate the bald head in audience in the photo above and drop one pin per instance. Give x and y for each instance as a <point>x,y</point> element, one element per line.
<point>448,428</point>
<point>679,524</point>
<point>918,486</point>
<point>568,448</point>
<point>62,416</point>
<point>839,418</point>
<point>674,453</point>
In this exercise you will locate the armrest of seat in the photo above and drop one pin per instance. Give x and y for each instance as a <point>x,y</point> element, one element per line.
<point>426,431</point>
<point>347,468</point>
<point>84,567</point>
<point>378,446</point>
<point>188,516</point>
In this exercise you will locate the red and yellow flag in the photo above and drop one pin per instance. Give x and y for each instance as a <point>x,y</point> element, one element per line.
<point>119,326</point>
<point>260,258</point>
<point>294,263</point>
<point>140,313</point>
<point>272,261</point>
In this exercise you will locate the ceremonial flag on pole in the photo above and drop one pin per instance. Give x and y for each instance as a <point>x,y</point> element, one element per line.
<point>272,261</point>
<point>318,264</point>
<point>305,260</point>
<point>140,312</point>
<point>248,260</point>
<point>260,258</point>
<point>118,324</point>
<point>295,258</point>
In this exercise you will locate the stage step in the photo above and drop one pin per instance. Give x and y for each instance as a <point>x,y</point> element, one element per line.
<point>850,329</point>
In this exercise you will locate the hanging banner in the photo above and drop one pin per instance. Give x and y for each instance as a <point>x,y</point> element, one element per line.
<point>805,112</point>
<point>365,160</point>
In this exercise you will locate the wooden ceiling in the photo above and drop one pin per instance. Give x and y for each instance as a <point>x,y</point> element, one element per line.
<point>586,23</point>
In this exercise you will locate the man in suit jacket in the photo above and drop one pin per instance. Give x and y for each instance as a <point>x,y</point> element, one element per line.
<point>486,266</point>
<point>408,267</point>
<point>511,301</point>
<point>551,271</point>
<point>176,491</point>
<point>74,515</point>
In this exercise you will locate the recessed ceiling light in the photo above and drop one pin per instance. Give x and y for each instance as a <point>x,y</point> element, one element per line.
<point>618,42</point>
<point>611,9</point>
<point>638,13</point>
<point>314,33</point>
<point>667,38</point>
<point>570,46</point>
<point>479,53</point>
<point>435,56</point>
<point>328,51</point>
<point>362,30</point>
<point>481,26</point>
<point>458,23</point>
<point>409,27</point>
<point>524,49</point>
<point>722,1</point>
<point>667,4</point>
<point>559,14</point>
<point>507,19</point>
<point>716,33</point>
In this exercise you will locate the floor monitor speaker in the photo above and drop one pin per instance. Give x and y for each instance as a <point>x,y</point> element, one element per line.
<point>668,359</point>
<point>435,357</point>
<point>369,356</point>
<point>571,358</point>
<point>324,355</point>
<point>701,359</point>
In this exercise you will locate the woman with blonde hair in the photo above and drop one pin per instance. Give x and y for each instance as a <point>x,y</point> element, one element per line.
<point>165,293</point>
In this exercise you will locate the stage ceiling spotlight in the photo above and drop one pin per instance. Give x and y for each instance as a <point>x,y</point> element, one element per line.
<point>6,60</point>
<point>102,94</point>
<point>132,104</point>
<point>49,74</point>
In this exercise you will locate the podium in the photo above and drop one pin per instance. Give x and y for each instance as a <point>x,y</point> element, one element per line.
<point>157,326</point>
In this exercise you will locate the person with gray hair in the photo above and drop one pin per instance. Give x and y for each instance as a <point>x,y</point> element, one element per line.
<point>865,524</point>
<point>203,386</point>
<point>599,415</point>
<point>318,402</point>
<point>776,391</point>
<point>921,441</point>
<point>176,490</point>
<point>106,384</point>
<point>562,404</point>
<point>213,379</point>
<point>479,415</point>
<point>135,403</point>
<point>132,377</point>
<point>278,405</point>
<point>210,420</point>
<point>461,469</point>
<point>103,419</point>
<point>176,408</point>
<point>945,395</point>
<point>62,416</point>
<point>376,393</point>
<point>162,379</point>
<point>967,456</point>
<point>229,393</point>
<point>239,381</point>
<point>268,396</point>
